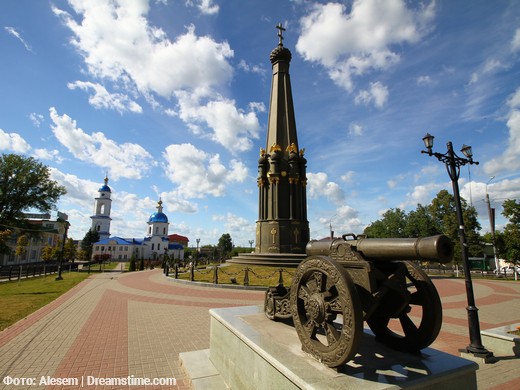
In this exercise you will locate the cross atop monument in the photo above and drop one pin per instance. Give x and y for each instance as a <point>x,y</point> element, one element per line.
<point>280,33</point>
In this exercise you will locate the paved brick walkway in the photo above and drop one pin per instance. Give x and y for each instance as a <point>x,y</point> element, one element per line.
<point>116,325</point>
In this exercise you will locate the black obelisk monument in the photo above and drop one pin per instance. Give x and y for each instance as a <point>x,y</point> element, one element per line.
<point>282,229</point>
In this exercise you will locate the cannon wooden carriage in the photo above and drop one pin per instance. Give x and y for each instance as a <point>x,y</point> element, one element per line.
<point>346,281</point>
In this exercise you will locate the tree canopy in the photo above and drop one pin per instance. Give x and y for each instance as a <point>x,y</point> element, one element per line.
<point>91,237</point>
<point>225,244</point>
<point>25,184</point>
<point>511,234</point>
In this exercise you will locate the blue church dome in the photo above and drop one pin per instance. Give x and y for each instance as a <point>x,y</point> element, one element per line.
<point>158,217</point>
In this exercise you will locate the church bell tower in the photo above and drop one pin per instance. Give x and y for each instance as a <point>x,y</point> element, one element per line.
<point>102,205</point>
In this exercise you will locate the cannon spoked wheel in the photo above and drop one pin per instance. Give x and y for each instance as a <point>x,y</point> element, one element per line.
<point>326,311</point>
<point>419,323</point>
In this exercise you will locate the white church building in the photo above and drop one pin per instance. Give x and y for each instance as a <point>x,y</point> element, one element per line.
<point>153,246</point>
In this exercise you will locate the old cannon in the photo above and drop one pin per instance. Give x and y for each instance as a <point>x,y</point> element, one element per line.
<point>346,281</point>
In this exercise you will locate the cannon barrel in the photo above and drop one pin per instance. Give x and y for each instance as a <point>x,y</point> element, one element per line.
<point>435,248</point>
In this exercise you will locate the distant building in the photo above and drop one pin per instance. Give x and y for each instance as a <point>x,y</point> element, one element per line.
<point>43,231</point>
<point>154,245</point>
<point>178,239</point>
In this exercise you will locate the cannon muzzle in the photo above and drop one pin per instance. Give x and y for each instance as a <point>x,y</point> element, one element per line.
<point>435,248</point>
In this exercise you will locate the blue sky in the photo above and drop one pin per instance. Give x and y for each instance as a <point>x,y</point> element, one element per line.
<point>170,99</point>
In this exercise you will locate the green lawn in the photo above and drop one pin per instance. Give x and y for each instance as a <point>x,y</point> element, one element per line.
<point>19,299</point>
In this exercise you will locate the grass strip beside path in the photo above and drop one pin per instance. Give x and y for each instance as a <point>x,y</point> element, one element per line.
<point>19,299</point>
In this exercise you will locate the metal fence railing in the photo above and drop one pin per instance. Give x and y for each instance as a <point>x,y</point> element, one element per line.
<point>16,272</point>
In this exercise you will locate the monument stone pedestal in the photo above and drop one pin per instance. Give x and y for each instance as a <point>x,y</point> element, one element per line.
<point>249,351</point>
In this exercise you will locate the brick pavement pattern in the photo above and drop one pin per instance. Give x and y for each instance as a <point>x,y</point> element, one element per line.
<point>115,325</point>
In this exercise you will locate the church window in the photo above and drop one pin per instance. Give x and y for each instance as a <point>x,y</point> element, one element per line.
<point>102,209</point>
<point>98,228</point>
<point>152,246</point>
<point>150,230</point>
<point>158,247</point>
<point>156,230</point>
<point>164,231</point>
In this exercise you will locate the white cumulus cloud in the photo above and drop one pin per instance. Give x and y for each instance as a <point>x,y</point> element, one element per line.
<point>117,43</point>
<point>352,42</point>
<point>46,154</point>
<point>197,173</point>
<point>515,42</point>
<point>101,98</point>
<point>509,160</point>
<point>120,45</point>
<point>377,94</point>
<point>13,142</point>
<point>206,7</point>
<point>120,160</point>
<point>319,185</point>
<point>230,127</point>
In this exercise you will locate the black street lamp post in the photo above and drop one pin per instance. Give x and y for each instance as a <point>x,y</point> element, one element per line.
<point>197,254</point>
<point>62,252</point>
<point>453,164</point>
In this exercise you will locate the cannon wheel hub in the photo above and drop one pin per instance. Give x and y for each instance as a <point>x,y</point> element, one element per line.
<point>316,307</point>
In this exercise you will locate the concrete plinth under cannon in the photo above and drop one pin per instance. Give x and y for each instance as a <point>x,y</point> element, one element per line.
<point>248,351</point>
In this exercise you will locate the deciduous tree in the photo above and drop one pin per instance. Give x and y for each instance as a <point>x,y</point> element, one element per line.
<point>225,244</point>
<point>443,212</point>
<point>511,210</point>
<point>47,253</point>
<point>436,218</point>
<point>70,250</point>
<point>21,246</point>
<point>4,236</point>
<point>25,184</point>
<point>392,224</point>
<point>87,243</point>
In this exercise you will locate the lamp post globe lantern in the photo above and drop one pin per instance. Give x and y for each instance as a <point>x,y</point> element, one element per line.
<point>453,164</point>
<point>428,142</point>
